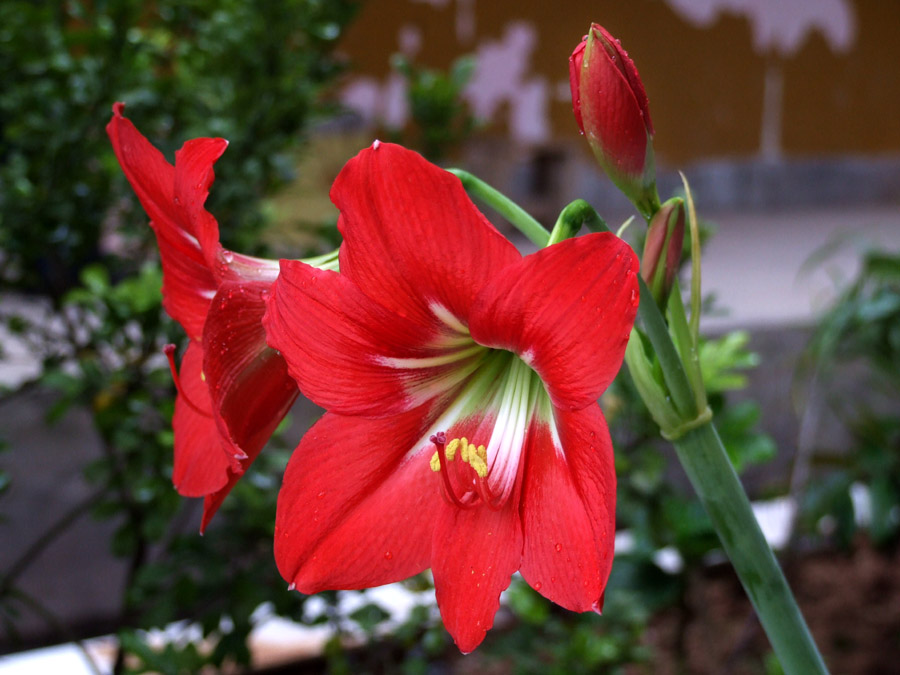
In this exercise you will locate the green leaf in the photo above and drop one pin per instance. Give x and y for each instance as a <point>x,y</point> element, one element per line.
<point>95,279</point>
<point>720,359</point>
<point>369,616</point>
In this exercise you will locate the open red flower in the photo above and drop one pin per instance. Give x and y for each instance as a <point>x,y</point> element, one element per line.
<point>461,383</point>
<point>233,389</point>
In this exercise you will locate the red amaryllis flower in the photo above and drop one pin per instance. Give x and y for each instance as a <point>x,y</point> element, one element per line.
<point>461,382</point>
<point>233,389</point>
<point>611,109</point>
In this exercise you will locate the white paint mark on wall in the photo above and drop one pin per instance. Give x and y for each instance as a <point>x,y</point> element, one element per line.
<point>780,26</point>
<point>378,102</point>
<point>465,17</point>
<point>410,39</point>
<point>502,81</point>
<point>502,76</point>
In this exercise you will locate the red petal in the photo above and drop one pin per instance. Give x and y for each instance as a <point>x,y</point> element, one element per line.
<point>567,311</point>
<point>629,71</point>
<point>575,61</point>
<point>200,465</point>
<point>188,284</point>
<point>249,383</point>
<point>193,177</point>
<point>341,346</point>
<point>357,506</point>
<point>250,386</point>
<point>569,510</point>
<point>412,238</point>
<point>475,553</point>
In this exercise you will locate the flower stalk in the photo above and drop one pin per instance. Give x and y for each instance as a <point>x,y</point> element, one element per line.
<point>515,214</point>
<point>572,218</point>
<point>706,463</point>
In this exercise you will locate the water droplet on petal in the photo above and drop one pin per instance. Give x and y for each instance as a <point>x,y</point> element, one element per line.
<point>538,585</point>
<point>321,494</point>
<point>558,548</point>
<point>228,256</point>
<point>388,555</point>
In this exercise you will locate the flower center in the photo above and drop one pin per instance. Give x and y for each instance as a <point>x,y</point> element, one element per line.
<point>500,400</point>
<point>470,486</point>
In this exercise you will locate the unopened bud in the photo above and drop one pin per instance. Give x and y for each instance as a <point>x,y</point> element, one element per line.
<point>662,250</point>
<point>612,111</point>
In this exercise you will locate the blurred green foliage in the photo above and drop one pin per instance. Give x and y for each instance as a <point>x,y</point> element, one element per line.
<point>250,72</point>
<point>440,117</point>
<point>854,358</point>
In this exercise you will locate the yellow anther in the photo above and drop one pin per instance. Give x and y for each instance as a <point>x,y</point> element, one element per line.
<point>452,446</point>
<point>203,376</point>
<point>476,457</point>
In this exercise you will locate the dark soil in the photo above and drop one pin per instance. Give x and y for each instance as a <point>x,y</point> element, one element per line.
<point>851,601</point>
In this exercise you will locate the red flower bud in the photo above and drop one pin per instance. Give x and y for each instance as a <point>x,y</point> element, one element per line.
<point>612,111</point>
<point>662,249</point>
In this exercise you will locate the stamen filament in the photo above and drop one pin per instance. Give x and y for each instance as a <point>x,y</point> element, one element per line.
<point>169,351</point>
<point>439,439</point>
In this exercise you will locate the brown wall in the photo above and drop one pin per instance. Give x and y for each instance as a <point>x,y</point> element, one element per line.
<point>705,83</point>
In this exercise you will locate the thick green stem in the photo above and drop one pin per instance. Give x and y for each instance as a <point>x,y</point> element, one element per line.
<point>704,459</point>
<point>507,208</point>
<point>669,360</point>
